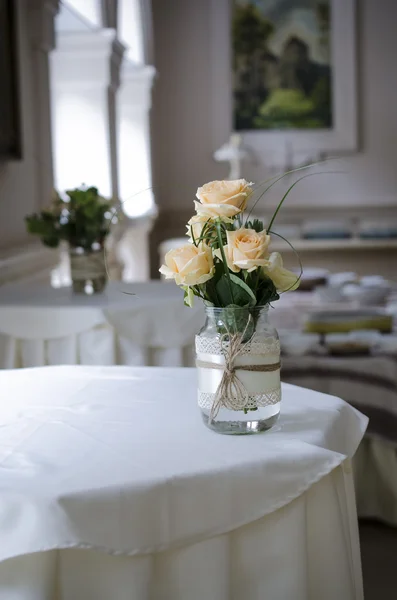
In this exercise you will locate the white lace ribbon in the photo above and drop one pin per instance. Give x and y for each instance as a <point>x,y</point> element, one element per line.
<point>237,375</point>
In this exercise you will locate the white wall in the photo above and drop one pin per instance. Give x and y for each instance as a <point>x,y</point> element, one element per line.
<point>182,119</point>
<point>26,185</point>
<point>20,184</point>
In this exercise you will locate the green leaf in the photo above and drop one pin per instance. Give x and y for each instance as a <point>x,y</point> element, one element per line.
<point>234,292</point>
<point>223,292</point>
<point>224,261</point>
<point>266,292</point>
<point>188,295</point>
<point>245,287</point>
<point>51,242</point>
<point>209,289</point>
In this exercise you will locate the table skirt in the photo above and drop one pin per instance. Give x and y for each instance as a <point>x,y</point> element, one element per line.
<point>306,550</point>
<point>101,345</point>
<point>375,474</point>
<point>370,384</point>
<point>136,325</point>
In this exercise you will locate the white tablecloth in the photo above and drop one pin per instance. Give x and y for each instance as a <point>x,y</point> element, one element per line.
<point>46,326</point>
<point>112,487</point>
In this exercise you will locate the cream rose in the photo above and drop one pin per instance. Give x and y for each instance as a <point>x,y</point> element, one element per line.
<point>189,265</point>
<point>196,225</point>
<point>223,199</point>
<point>282,278</point>
<point>245,249</point>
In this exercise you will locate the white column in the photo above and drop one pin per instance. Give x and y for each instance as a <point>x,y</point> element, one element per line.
<point>134,169</point>
<point>134,166</point>
<point>85,70</point>
<point>131,29</point>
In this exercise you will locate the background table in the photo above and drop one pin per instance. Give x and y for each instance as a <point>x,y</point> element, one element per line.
<point>142,324</point>
<point>129,324</point>
<point>113,488</point>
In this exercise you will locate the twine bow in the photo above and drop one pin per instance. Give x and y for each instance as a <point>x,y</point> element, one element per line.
<point>231,392</point>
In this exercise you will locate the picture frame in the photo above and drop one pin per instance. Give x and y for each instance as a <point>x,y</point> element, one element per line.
<point>290,146</point>
<point>10,125</point>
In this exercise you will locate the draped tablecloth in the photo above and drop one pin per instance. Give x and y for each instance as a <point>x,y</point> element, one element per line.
<point>370,384</point>
<point>111,487</point>
<point>129,324</point>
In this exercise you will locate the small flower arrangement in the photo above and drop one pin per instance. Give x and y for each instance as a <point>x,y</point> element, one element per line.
<point>227,262</point>
<point>81,217</point>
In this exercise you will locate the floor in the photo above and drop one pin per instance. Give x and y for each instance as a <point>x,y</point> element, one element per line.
<point>379,560</point>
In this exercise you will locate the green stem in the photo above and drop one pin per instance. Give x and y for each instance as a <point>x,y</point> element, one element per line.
<point>288,191</point>
<point>277,178</point>
<point>225,266</point>
<point>192,234</point>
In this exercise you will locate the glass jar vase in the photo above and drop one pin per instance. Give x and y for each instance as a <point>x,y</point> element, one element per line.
<point>238,363</point>
<point>88,269</point>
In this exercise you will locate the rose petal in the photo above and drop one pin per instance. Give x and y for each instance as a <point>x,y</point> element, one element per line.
<point>164,270</point>
<point>216,210</point>
<point>251,264</point>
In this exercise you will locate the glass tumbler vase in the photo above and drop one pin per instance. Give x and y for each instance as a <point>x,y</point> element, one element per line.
<point>88,269</point>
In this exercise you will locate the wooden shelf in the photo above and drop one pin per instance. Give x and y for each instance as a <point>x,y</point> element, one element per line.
<point>332,245</point>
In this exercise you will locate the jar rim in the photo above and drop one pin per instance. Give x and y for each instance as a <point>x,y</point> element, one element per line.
<point>216,310</point>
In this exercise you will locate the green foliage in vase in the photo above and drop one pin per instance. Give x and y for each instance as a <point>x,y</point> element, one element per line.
<point>81,217</point>
<point>255,224</point>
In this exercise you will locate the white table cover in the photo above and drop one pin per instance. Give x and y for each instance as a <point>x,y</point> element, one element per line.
<point>111,487</point>
<point>129,324</point>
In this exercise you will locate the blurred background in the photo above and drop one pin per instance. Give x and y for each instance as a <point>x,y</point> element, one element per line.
<point>146,100</point>
<point>141,98</point>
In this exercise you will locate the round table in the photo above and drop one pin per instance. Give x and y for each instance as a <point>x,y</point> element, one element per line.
<point>112,487</point>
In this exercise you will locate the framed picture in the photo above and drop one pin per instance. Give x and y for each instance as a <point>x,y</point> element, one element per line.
<point>10,131</point>
<point>284,75</point>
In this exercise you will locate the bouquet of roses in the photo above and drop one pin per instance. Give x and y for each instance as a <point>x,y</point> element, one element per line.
<point>227,261</point>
